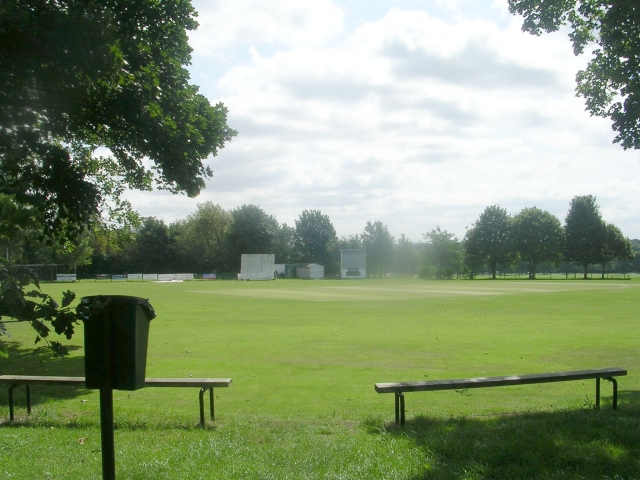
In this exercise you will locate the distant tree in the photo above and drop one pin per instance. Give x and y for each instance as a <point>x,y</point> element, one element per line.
<point>583,232</point>
<point>285,247</point>
<point>153,249</point>
<point>405,257</point>
<point>315,236</point>
<point>610,32</point>
<point>442,254</point>
<point>378,243</point>
<point>252,231</point>
<point>538,238</point>
<point>200,238</point>
<point>613,246</point>
<point>489,242</point>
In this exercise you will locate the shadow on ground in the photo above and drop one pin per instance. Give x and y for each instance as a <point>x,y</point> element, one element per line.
<point>16,359</point>
<point>571,444</point>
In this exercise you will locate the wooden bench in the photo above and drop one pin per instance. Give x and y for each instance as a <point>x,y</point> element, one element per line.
<point>399,388</point>
<point>204,384</point>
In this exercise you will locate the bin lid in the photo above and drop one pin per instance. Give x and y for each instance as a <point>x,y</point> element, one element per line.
<point>91,300</point>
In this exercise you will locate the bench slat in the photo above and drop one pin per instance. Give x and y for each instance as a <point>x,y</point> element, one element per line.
<point>431,385</point>
<point>149,382</point>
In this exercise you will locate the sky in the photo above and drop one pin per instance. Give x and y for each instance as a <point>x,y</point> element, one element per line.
<point>415,113</point>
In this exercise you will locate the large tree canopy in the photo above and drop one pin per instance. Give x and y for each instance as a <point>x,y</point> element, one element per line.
<point>81,74</point>
<point>610,84</point>
<point>537,237</point>
<point>78,75</point>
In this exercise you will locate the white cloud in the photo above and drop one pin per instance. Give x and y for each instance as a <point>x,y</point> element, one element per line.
<point>413,120</point>
<point>226,25</point>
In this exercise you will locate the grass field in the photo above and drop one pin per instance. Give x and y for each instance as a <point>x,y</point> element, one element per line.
<point>304,356</point>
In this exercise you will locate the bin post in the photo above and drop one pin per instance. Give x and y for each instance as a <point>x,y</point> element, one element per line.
<point>115,336</point>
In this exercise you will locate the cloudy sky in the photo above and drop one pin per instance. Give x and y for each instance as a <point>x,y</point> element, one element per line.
<point>416,113</point>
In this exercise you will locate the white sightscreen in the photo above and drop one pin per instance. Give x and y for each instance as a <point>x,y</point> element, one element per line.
<point>257,266</point>
<point>353,263</point>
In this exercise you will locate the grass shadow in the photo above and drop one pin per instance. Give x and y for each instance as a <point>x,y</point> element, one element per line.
<point>17,359</point>
<point>568,444</point>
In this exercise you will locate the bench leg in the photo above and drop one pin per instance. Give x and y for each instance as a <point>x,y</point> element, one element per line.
<point>399,408</point>
<point>397,396</point>
<point>11,403</point>
<point>211,406</point>
<point>615,391</point>
<point>597,393</point>
<point>201,396</point>
<point>29,399</point>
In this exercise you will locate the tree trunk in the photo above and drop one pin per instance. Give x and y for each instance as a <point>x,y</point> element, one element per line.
<point>585,271</point>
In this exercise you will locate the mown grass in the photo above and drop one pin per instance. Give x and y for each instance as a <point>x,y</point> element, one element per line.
<point>304,357</point>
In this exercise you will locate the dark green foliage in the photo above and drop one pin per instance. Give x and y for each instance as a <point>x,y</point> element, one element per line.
<point>252,231</point>
<point>613,246</point>
<point>79,74</point>
<point>442,254</point>
<point>538,238</point>
<point>35,306</point>
<point>583,232</point>
<point>610,84</point>
<point>315,237</point>
<point>490,241</point>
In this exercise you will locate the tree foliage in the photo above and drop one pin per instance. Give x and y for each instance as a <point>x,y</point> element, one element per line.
<point>610,84</point>
<point>489,242</point>
<point>78,75</point>
<point>200,238</point>
<point>378,243</point>
<point>613,245</point>
<point>405,257</point>
<point>252,231</point>
<point>583,232</point>
<point>538,238</point>
<point>442,254</point>
<point>315,236</point>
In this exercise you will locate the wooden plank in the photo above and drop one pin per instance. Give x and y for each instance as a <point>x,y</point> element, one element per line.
<point>431,385</point>
<point>79,381</point>
<point>188,382</point>
<point>40,380</point>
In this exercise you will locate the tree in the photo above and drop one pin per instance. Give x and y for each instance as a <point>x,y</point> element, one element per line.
<point>442,254</point>
<point>610,84</point>
<point>613,246</point>
<point>583,232</point>
<point>378,243</point>
<point>153,248</point>
<point>537,237</point>
<point>315,237</point>
<point>285,247</point>
<point>252,231</point>
<point>490,240</point>
<point>200,241</point>
<point>405,257</point>
<point>78,75</point>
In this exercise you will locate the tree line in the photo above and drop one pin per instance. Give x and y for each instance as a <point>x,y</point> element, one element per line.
<point>531,241</point>
<point>212,239</point>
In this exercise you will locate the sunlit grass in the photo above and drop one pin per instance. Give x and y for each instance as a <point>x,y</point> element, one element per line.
<point>304,357</point>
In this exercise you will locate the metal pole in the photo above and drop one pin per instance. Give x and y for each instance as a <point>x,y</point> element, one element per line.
<point>106,402</point>
<point>106,434</point>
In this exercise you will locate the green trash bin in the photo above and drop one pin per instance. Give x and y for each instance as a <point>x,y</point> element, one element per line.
<point>116,334</point>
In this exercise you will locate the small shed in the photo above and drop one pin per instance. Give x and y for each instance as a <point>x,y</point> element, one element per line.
<point>312,271</point>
